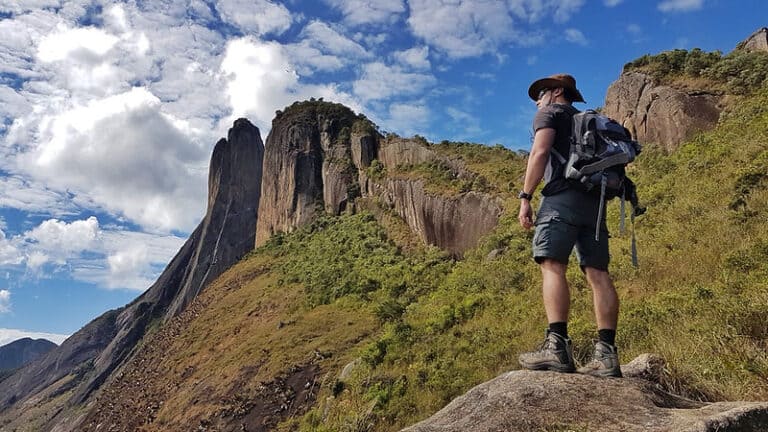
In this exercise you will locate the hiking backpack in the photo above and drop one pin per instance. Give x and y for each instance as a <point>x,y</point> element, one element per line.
<point>600,150</point>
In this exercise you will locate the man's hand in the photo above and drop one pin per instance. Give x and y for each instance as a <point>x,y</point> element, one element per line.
<point>526,214</point>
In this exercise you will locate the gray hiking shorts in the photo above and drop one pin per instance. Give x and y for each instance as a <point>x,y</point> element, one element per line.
<point>568,219</point>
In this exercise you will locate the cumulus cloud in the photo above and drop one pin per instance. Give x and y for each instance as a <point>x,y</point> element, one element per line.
<point>380,81</point>
<point>127,156</point>
<point>133,260</point>
<point>463,28</point>
<point>9,253</point>
<point>63,237</point>
<point>680,5</point>
<point>575,36</point>
<point>5,301</point>
<point>9,335</point>
<point>256,16</point>
<point>358,12</point>
<point>536,10</point>
<point>408,118</point>
<point>468,28</point>
<point>324,48</point>
<point>32,196</point>
<point>416,58</point>
<point>110,257</point>
<point>261,79</point>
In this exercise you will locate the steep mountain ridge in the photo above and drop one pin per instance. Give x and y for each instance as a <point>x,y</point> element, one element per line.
<point>87,359</point>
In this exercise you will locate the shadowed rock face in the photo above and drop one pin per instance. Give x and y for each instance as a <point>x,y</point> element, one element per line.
<point>316,160</point>
<point>659,114</point>
<point>222,238</point>
<point>530,401</point>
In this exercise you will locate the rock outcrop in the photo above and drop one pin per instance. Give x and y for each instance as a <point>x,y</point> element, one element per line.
<point>659,114</point>
<point>526,401</point>
<point>20,352</point>
<point>307,167</point>
<point>757,41</point>
<point>224,236</point>
<point>317,159</point>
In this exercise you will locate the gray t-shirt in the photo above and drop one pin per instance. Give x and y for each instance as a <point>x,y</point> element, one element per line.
<point>557,117</point>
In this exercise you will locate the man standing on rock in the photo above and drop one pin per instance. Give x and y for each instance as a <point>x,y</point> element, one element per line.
<point>566,218</point>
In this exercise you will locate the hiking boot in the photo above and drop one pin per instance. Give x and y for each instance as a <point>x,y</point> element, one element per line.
<point>555,354</point>
<point>605,362</point>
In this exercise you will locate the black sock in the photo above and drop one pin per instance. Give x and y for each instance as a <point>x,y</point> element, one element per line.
<point>560,327</point>
<point>607,335</point>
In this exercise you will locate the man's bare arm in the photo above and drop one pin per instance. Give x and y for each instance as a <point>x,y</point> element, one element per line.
<point>534,172</point>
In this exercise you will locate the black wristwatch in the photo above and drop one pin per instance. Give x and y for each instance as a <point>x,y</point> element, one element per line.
<point>525,196</point>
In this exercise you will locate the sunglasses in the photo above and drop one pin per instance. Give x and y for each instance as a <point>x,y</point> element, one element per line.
<point>543,92</point>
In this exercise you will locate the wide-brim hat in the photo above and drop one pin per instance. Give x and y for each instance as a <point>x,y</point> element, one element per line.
<point>565,81</point>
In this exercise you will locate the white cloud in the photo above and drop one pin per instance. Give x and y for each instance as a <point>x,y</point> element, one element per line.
<point>358,12</point>
<point>88,45</point>
<point>680,5</point>
<point>22,194</point>
<point>127,156</point>
<point>9,335</point>
<point>5,301</point>
<point>612,3</point>
<point>132,260</point>
<point>261,79</point>
<point>65,238</point>
<point>379,81</point>
<point>634,29</point>
<point>257,16</point>
<point>464,28</point>
<point>468,28</point>
<point>416,58</point>
<point>110,258</point>
<point>575,36</point>
<point>531,60</point>
<point>536,10</point>
<point>408,118</point>
<point>464,123</point>
<point>36,260</point>
<point>323,48</point>
<point>332,41</point>
<point>9,253</point>
<point>19,6</point>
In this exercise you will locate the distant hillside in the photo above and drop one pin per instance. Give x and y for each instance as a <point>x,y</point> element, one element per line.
<point>20,352</point>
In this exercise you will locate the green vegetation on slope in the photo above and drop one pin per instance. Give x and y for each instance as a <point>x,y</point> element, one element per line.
<point>738,72</point>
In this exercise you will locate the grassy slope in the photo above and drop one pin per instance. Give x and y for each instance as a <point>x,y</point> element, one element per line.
<point>428,328</point>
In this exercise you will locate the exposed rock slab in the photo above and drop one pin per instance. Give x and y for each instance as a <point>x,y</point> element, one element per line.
<point>454,224</point>
<point>317,157</point>
<point>526,401</point>
<point>659,114</point>
<point>757,41</point>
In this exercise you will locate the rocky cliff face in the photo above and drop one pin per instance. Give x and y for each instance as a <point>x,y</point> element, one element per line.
<point>317,157</point>
<point>757,41</point>
<point>659,114</point>
<point>222,238</point>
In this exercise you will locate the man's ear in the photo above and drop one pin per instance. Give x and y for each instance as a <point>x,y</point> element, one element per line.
<point>557,92</point>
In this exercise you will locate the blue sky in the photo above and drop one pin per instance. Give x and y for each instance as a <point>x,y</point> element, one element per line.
<point>110,109</point>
